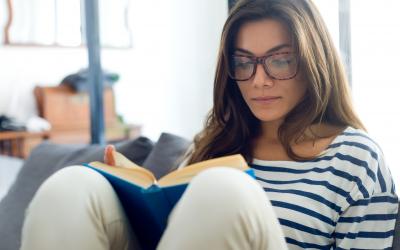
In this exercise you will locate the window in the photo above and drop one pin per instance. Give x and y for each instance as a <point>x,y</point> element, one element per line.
<point>374,47</point>
<point>61,23</point>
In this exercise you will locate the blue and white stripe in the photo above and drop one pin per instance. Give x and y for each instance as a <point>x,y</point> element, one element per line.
<point>344,199</point>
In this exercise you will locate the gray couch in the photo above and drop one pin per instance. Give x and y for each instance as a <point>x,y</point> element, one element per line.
<point>396,240</point>
<point>9,168</point>
<point>47,158</point>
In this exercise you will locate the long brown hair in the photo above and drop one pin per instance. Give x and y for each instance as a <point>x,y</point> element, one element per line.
<point>231,127</point>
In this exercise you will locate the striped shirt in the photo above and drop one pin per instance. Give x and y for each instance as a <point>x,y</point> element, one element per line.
<point>344,199</point>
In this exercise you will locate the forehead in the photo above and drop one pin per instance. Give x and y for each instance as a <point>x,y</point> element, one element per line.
<point>259,37</point>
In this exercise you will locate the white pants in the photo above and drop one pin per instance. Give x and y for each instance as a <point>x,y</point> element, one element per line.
<point>222,208</point>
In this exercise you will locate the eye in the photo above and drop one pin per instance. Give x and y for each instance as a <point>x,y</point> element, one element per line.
<point>241,62</point>
<point>281,60</point>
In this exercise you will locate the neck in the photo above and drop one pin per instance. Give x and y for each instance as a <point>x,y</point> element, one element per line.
<point>313,142</point>
<point>269,131</point>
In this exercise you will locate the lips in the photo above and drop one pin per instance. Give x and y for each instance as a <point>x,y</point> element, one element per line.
<point>265,100</point>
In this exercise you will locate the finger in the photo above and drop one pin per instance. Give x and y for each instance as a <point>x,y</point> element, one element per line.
<point>105,157</point>
<point>109,156</point>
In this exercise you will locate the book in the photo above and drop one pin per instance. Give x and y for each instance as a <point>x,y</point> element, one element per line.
<point>147,201</point>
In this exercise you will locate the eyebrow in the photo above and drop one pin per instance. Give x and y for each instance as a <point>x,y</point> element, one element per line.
<point>274,49</point>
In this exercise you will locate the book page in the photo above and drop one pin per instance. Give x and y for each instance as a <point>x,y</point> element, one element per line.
<point>137,175</point>
<point>122,161</point>
<point>185,174</point>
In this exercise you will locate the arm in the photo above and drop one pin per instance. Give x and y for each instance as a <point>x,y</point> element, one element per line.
<point>369,221</point>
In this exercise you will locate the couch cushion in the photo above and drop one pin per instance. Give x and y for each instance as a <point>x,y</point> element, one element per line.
<point>135,150</point>
<point>44,160</point>
<point>166,154</point>
<point>9,168</point>
<point>396,238</point>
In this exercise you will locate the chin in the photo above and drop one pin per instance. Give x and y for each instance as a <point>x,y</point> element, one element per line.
<point>268,118</point>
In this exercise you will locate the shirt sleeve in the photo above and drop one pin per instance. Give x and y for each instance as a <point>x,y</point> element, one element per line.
<point>368,223</point>
<point>368,220</point>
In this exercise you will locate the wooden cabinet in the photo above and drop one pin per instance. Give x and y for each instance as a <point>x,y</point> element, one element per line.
<point>19,144</point>
<point>66,109</point>
<point>69,115</point>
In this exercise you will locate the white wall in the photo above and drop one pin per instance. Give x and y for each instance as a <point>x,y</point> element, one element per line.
<point>166,78</point>
<point>329,12</point>
<point>376,82</point>
<point>177,47</point>
<point>23,68</point>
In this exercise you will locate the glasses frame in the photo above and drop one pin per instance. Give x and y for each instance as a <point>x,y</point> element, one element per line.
<point>261,60</point>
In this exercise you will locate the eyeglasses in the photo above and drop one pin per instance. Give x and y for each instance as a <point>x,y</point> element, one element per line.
<point>279,66</point>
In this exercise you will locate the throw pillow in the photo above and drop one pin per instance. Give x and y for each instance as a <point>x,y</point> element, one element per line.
<point>166,154</point>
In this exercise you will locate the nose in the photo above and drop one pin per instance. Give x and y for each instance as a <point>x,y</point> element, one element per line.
<point>261,79</point>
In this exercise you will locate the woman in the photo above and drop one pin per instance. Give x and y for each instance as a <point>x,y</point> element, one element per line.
<point>281,100</point>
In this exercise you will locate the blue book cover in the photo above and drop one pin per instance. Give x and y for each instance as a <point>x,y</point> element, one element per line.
<point>148,202</point>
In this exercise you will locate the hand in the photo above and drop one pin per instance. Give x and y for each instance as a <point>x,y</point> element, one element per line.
<point>109,156</point>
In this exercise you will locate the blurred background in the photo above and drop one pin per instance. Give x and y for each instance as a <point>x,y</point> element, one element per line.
<point>160,57</point>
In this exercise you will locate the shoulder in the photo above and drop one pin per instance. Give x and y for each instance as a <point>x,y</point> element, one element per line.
<point>358,144</point>
<point>357,136</point>
<point>365,160</point>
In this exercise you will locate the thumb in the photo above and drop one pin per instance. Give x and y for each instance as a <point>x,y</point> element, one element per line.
<point>109,156</point>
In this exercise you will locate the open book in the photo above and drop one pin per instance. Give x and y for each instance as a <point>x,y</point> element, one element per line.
<point>147,201</point>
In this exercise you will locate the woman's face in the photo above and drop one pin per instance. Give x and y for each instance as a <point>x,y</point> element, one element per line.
<point>270,100</point>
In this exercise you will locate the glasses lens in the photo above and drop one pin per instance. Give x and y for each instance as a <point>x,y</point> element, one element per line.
<point>282,66</point>
<point>241,68</point>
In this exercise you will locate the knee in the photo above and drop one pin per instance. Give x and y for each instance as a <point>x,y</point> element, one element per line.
<point>70,184</point>
<point>73,177</point>
<point>227,187</point>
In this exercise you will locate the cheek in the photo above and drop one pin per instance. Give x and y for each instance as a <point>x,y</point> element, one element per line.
<point>303,82</point>
<point>297,90</point>
<point>245,93</point>
<point>301,92</point>
<point>243,90</point>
